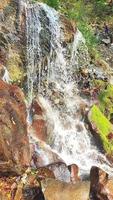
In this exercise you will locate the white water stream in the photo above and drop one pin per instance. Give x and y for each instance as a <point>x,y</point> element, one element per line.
<point>55,83</point>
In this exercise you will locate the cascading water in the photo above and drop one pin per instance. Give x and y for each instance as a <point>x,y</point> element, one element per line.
<point>6,76</point>
<point>51,72</point>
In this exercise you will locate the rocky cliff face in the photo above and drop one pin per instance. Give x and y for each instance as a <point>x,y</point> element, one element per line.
<point>12,40</point>
<point>42,51</point>
<point>14,144</point>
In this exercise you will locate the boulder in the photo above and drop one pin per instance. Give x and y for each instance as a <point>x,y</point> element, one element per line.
<point>14,148</point>
<point>102,128</point>
<point>39,125</point>
<point>42,155</point>
<point>58,190</point>
<point>61,171</point>
<point>101,188</point>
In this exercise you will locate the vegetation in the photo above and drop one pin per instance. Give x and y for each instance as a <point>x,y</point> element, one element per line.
<point>106,101</point>
<point>15,68</point>
<point>53,3</point>
<point>103,127</point>
<point>87,14</point>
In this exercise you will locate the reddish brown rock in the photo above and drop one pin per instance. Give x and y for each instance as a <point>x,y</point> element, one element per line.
<point>101,188</point>
<point>14,148</point>
<point>39,122</point>
<point>74,170</point>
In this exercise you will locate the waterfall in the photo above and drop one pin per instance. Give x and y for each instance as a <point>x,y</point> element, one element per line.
<point>6,76</point>
<point>51,71</point>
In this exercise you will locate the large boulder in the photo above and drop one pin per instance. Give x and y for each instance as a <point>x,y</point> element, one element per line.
<point>59,190</point>
<point>101,188</point>
<point>102,128</point>
<point>14,145</point>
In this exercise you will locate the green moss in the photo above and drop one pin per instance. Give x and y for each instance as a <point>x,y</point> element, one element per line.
<point>15,67</point>
<point>99,84</point>
<point>103,127</point>
<point>106,101</point>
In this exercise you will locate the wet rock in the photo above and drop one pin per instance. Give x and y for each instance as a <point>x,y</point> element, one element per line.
<point>59,190</point>
<point>42,155</point>
<point>3,49</point>
<point>60,171</point>
<point>106,41</point>
<point>74,170</point>
<point>69,29</point>
<point>101,188</point>
<point>2,71</point>
<point>14,149</point>
<point>39,125</point>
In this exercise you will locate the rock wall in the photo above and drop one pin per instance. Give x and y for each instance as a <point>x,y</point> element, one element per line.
<point>14,145</point>
<point>12,40</point>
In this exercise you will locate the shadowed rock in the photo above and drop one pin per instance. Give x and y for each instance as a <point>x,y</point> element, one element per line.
<point>101,187</point>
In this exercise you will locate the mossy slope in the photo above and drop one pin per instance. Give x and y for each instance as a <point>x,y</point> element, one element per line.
<point>106,101</point>
<point>103,127</point>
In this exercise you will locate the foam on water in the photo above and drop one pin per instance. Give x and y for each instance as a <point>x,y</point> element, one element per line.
<point>69,137</point>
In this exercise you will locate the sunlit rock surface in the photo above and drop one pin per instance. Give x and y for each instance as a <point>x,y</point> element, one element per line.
<point>58,190</point>
<point>14,148</point>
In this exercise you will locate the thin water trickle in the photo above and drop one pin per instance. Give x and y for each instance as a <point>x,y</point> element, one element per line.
<point>55,82</point>
<point>6,76</point>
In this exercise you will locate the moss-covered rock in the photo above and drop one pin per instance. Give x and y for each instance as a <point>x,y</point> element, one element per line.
<point>12,39</point>
<point>106,101</point>
<point>100,84</point>
<point>102,126</point>
<point>15,67</point>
